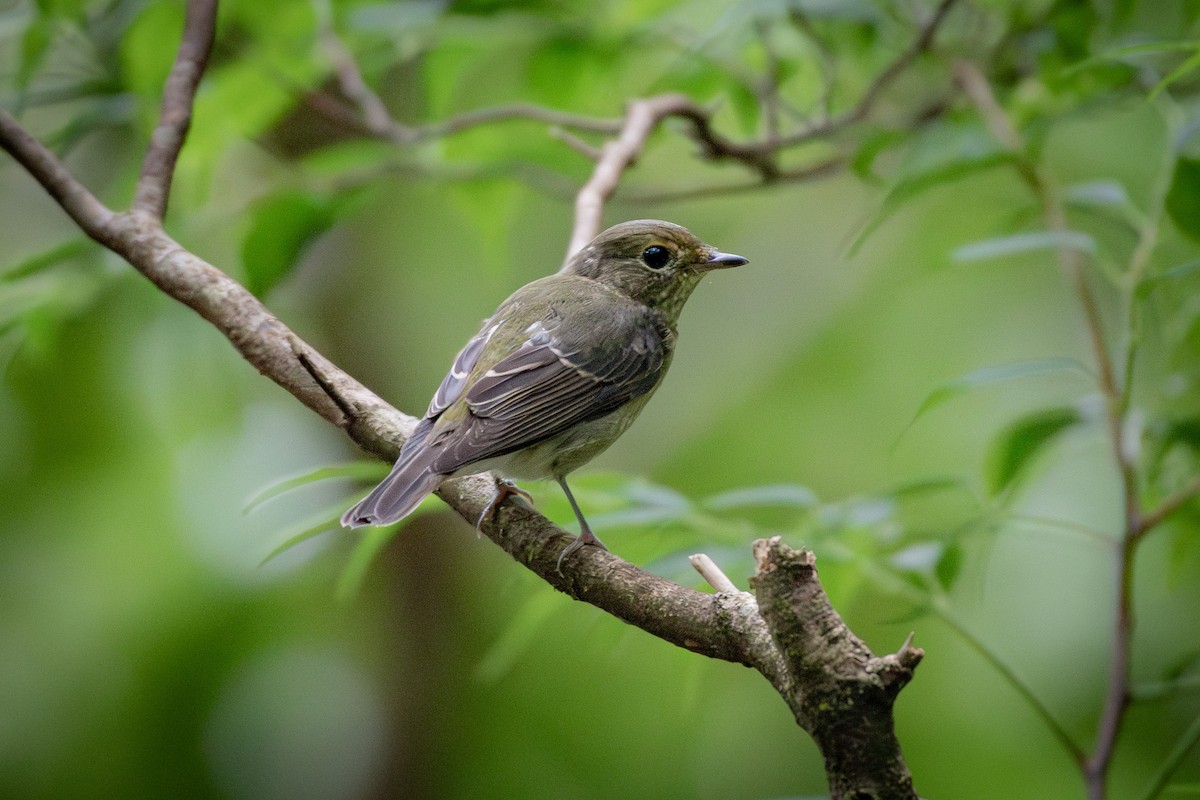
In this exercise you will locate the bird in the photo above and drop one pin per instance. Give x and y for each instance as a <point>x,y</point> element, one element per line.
<point>555,375</point>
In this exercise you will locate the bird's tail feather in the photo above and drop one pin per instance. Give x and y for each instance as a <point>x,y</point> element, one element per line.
<point>396,496</point>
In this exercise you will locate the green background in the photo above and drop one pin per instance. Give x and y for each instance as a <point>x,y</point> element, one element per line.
<point>146,652</point>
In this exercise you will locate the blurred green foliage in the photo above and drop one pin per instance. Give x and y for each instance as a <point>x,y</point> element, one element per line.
<point>901,380</point>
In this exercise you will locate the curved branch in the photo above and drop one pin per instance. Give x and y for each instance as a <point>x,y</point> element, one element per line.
<point>158,167</point>
<point>838,690</point>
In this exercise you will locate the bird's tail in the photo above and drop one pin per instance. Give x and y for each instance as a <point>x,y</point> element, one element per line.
<point>396,496</point>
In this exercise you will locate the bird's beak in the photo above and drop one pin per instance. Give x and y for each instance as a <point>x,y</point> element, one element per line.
<point>725,261</point>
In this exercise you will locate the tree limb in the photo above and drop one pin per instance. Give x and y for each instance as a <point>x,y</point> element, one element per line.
<point>158,167</point>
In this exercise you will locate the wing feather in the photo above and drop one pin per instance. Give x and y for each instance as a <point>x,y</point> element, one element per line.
<point>551,383</point>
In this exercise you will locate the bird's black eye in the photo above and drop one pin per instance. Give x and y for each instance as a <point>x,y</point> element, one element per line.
<point>656,256</point>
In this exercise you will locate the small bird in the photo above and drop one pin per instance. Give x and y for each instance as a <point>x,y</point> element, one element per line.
<point>556,374</point>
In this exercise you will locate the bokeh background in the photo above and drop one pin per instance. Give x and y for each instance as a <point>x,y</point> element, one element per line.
<point>147,651</point>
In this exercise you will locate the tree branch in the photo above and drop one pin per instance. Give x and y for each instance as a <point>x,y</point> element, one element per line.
<point>158,167</point>
<point>838,690</point>
<point>1173,503</point>
<point>1118,692</point>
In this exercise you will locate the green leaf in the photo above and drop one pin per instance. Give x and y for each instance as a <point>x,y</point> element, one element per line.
<point>281,229</point>
<point>919,557</point>
<point>863,162</point>
<point>1148,285</point>
<point>1027,242</point>
<point>358,470</point>
<point>914,185</point>
<point>1097,193</point>
<point>35,43</point>
<point>57,254</point>
<point>1189,65</point>
<point>782,494</point>
<point>363,556</point>
<point>999,373</point>
<point>1183,198</point>
<point>948,566</point>
<point>518,635</point>
<point>326,523</point>
<point>145,62</point>
<point>1017,446</point>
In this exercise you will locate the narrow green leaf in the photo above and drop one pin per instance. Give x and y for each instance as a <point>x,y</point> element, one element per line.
<point>914,185</point>
<point>948,566</point>
<point>1129,53</point>
<point>35,43</point>
<point>919,557</point>
<point>781,494</point>
<point>1024,243</point>
<point>281,229</point>
<point>372,541</point>
<point>1148,285</point>
<point>1183,198</point>
<point>871,148</point>
<point>518,635</point>
<point>1189,65</point>
<point>362,557</point>
<point>999,373</point>
<point>303,535</point>
<point>57,254</point>
<point>358,470</point>
<point>1097,193</point>
<point>1017,446</point>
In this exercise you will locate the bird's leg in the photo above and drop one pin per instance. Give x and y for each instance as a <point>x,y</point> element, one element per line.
<point>504,489</point>
<point>585,533</point>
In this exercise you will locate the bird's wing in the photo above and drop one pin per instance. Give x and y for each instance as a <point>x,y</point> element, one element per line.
<point>464,363</point>
<point>558,377</point>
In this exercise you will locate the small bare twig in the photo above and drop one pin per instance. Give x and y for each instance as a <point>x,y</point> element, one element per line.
<point>808,172</point>
<point>375,116</point>
<point>828,62</point>
<point>1163,511</point>
<point>709,570</point>
<point>768,85</point>
<point>575,143</point>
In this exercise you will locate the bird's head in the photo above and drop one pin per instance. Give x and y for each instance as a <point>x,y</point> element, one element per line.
<point>654,262</point>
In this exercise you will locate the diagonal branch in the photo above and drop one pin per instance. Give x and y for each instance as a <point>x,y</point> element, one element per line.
<point>158,167</point>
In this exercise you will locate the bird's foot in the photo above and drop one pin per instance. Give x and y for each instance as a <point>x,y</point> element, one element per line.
<point>585,537</point>
<point>504,489</point>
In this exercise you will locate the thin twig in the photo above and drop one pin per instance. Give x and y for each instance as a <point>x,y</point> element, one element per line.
<point>709,570</point>
<point>81,205</point>
<point>828,62</point>
<point>1011,677</point>
<point>1173,503</point>
<point>375,116</point>
<point>768,85</point>
<point>808,172</point>
<point>575,143</point>
<point>1182,747</point>
<point>874,91</point>
<point>1118,692</point>
<point>158,167</point>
